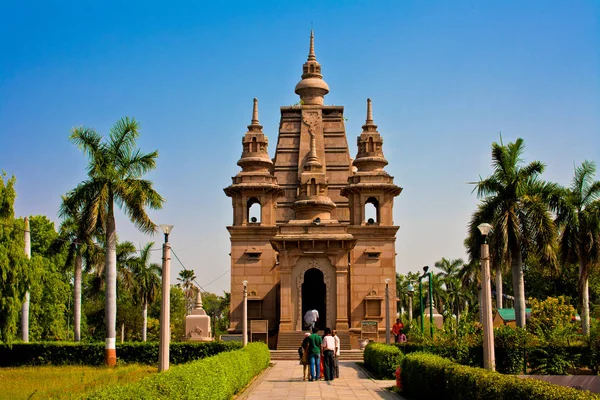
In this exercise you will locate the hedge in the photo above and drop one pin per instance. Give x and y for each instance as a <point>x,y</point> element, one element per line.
<point>215,378</point>
<point>426,376</point>
<point>382,360</point>
<point>68,353</point>
<point>554,360</point>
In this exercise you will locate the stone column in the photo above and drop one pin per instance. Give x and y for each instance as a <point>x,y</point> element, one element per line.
<point>286,302</point>
<point>340,263</point>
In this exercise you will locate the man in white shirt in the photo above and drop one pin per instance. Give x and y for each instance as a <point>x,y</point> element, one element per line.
<point>328,354</point>
<point>311,317</point>
<point>337,354</point>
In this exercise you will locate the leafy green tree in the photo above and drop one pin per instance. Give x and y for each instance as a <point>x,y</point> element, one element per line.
<point>15,272</point>
<point>50,285</point>
<point>115,177</point>
<point>515,201</point>
<point>217,307</point>
<point>578,217</point>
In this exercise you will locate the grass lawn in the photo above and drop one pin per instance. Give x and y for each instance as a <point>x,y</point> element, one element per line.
<point>68,382</point>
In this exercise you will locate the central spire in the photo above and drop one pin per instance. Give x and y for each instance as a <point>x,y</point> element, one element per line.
<point>312,88</point>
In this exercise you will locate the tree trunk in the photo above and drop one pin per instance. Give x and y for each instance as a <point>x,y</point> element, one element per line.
<point>518,287</point>
<point>77,300</point>
<point>499,286</point>
<point>111,288</point>
<point>145,319</point>
<point>25,306</point>
<point>584,297</point>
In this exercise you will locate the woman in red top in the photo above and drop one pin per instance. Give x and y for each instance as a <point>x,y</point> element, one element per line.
<point>397,329</point>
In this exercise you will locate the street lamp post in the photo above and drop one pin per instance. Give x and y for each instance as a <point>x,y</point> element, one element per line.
<point>411,291</point>
<point>245,316</point>
<point>165,320</point>
<point>428,274</point>
<point>489,358</point>
<point>387,311</point>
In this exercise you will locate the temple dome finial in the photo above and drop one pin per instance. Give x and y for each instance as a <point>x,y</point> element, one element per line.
<point>311,50</point>
<point>369,125</point>
<point>255,156</point>
<point>370,146</point>
<point>255,124</point>
<point>312,88</point>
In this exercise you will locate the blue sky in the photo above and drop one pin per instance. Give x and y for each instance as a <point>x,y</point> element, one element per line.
<point>446,77</point>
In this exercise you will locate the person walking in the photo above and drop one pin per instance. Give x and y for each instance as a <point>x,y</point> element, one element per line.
<point>397,330</point>
<point>311,317</point>
<point>337,354</point>
<point>328,354</point>
<point>303,350</point>
<point>314,354</point>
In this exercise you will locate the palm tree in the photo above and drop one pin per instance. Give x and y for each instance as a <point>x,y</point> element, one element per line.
<point>517,202</point>
<point>449,278</point>
<point>146,282</point>
<point>578,217</point>
<point>186,278</point>
<point>72,233</point>
<point>115,172</point>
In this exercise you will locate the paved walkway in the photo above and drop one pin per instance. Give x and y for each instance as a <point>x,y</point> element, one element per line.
<point>284,381</point>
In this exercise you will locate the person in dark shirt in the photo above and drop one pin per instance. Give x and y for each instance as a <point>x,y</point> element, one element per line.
<point>303,352</point>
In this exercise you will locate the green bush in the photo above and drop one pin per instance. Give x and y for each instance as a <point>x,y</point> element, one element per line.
<point>510,349</point>
<point>217,377</point>
<point>429,376</point>
<point>61,353</point>
<point>382,359</point>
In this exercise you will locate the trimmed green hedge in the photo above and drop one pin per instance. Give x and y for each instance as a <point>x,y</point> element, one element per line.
<point>382,359</point>
<point>510,356</point>
<point>213,378</point>
<point>428,376</point>
<point>68,353</point>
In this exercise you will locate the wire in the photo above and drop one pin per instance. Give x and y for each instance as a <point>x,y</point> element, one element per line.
<point>195,280</point>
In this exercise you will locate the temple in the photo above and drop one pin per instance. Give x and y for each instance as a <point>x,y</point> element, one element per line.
<point>312,228</point>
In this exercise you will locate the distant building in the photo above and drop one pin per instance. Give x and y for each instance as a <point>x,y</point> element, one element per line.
<point>506,316</point>
<point>302,235</point>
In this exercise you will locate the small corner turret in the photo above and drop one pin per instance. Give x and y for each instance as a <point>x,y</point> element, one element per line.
<point>370,184</point>
<point>255,186</point>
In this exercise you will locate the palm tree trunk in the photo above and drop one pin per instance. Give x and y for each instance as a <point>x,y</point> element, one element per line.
<point>584,296</point>
<point>518,287</point>
<point>499,286</point>
<point>145,318</point>
<point>111,288</point>
<point>25,306</point>
<point>77,300</point>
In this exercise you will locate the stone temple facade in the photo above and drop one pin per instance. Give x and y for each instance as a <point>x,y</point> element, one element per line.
<point>312,228</point>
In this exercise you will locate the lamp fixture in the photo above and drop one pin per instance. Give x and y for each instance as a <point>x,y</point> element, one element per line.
<point>166,230</point>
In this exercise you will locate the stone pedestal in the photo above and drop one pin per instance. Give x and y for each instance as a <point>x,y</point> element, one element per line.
<point>197,324</point>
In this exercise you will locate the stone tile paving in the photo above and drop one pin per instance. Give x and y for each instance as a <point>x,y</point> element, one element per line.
<point>284,381</point>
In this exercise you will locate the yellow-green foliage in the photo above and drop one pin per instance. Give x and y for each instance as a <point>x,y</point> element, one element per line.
<point>213,378</point>
<point>427,376</point>
<point>65,382</point>
<point>550,314</point>
<point>382,359</point>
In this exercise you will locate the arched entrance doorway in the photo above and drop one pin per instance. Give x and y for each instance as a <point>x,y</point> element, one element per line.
<point>314,294</point>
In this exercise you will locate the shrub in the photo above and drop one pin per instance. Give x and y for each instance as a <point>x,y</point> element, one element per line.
<point>214,378</point>
<point>60,353</point>
<point>429,376</point>
<point>382,359</point>
<point>510,349</point>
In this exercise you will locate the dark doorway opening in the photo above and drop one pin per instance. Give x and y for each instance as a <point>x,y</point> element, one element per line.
<point>314,295</point>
